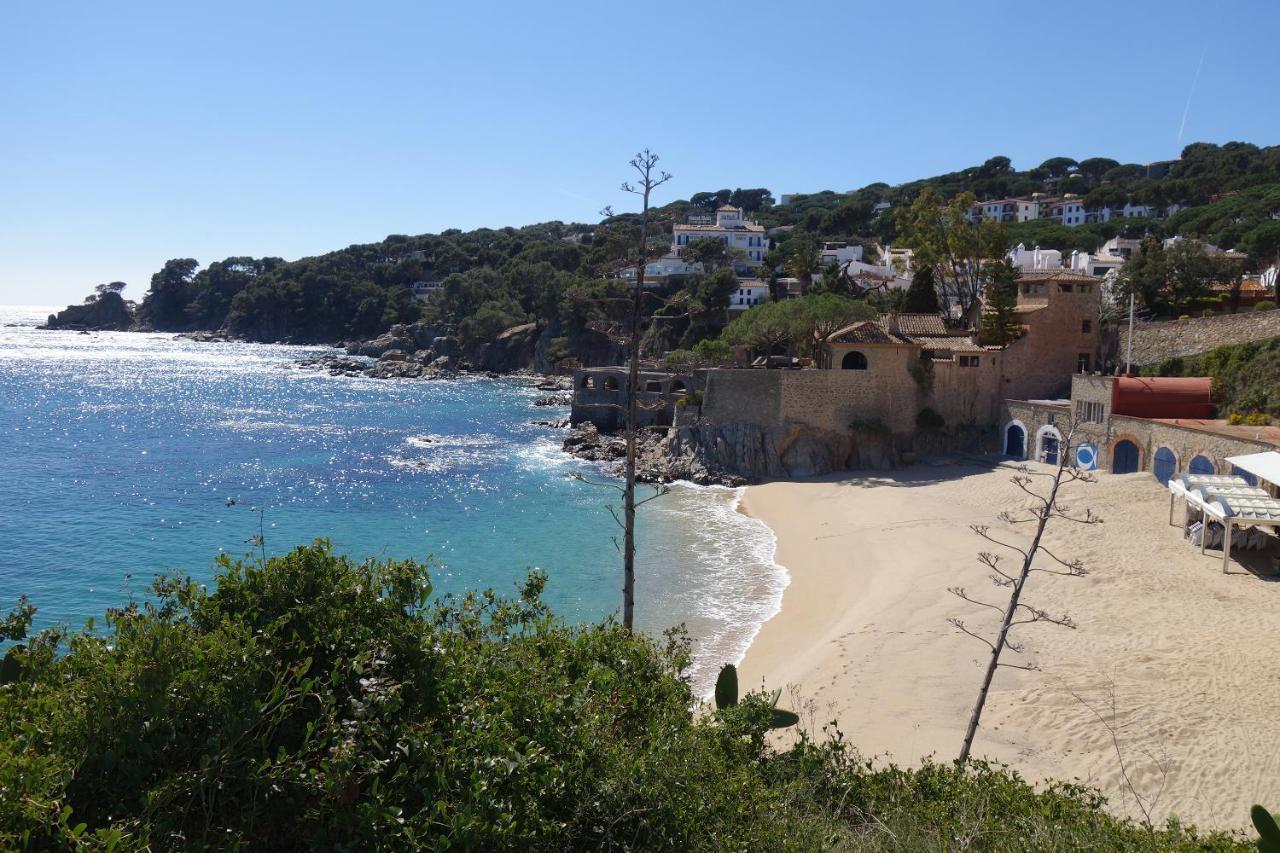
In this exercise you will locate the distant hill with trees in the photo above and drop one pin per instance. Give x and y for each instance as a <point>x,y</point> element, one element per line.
<point>563,275</point>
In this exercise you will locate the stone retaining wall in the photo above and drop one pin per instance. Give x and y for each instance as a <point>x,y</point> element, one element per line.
<point>1154,342</point>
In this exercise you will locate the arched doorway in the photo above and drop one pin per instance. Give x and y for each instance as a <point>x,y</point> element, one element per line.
<point>677,387</point>
<point>610,383</point>
<point>1015,441</point>
<point>1201,464</point>
<point>1048,442</point>
<point>1124,457</point>
<point>853,360</point>
<point>1166,465</point>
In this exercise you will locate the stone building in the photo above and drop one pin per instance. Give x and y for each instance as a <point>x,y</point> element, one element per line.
<point>1116,430</point>
<point>883,389</point>
<point>600,395</point>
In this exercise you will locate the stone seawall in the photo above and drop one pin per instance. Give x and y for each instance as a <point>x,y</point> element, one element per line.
<point>1154,342</point>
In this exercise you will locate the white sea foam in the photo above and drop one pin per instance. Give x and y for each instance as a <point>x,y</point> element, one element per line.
<point>733,585</point>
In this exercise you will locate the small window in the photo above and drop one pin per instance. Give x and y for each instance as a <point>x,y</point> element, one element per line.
<point>853,361</point>
<point>968,361</point>
<point>1082,363</point>
<point>1086,326</point>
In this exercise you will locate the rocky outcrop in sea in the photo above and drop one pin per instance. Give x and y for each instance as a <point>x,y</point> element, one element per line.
<point>655,461</point>
<point>107,312</point>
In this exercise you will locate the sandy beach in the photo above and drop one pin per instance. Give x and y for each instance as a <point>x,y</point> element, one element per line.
<point>1178,659</point>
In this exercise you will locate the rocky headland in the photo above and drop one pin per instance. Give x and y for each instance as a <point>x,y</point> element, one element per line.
<point>107,312</point>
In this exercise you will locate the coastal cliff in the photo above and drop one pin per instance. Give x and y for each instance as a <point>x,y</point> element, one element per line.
<point>758,452</point>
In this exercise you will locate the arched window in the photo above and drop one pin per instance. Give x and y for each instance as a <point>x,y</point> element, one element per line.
<point>853,360</point>
<point>677,387</point>
<point>611,383</point>
<point>588,381</point>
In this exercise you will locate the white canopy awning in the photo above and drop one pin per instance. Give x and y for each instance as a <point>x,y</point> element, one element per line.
<point>1265,466</point>
<point>1229,499</point>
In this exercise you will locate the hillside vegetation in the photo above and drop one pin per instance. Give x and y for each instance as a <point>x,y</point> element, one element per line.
<point>1246,376</point>
<point>560,275</point>
<point>313,703</point>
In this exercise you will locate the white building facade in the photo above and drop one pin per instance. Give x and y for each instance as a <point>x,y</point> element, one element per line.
<point>1035,259</point>
<point>750,293</point>
<point>730,227</point>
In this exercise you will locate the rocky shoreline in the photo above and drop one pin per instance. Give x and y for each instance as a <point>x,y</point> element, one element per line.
<point>655,460</point>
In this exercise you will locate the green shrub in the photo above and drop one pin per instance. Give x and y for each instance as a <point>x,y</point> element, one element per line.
<point>928,418</point>
<point>714,350</point>
<point>559,349</point>
<point>1208,312</point>
<point>680,359</point>
<point>1265,305</point>
<point>1245,376</point>
<point>692,398</point>
<point>316,703</point>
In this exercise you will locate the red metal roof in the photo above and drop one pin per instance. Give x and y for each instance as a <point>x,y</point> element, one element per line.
<point>1163,396</point>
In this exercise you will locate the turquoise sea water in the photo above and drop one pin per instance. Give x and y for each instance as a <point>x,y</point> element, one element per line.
<point>123,456</point>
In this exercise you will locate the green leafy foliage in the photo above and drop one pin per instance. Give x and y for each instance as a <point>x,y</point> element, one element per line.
<point>727,687</point>
<point>1268,831</point>
<point>1000,324</point>
<point>310,702</point>
<point>795,325</point>
<point>922,295</point>
<point>1246,377</point>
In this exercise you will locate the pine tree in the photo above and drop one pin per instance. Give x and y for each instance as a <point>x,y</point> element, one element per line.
<point>922,295</point>
<point>1000,325</point>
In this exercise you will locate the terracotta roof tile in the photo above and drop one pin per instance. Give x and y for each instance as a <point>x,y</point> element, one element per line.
<point>865,332</point>
<point>915,324</point>
<point>952,344</point>
<point>1056,275</point>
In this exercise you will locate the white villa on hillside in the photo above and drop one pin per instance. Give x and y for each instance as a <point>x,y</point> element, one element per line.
<point>1035,259</point>
<point>750,293</point>
<point>660,272</point>
<point>732,228</point>
<point>1069,210</point>
<point>1095,265</point>
<point>840,253</point>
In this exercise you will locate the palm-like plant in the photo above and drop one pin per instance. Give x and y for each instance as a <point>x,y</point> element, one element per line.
<point>803,264</point>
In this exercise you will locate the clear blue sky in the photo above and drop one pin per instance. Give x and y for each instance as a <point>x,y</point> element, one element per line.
<point>133,132</point>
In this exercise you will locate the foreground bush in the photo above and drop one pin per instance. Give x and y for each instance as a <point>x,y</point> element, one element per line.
<point>313,703</point>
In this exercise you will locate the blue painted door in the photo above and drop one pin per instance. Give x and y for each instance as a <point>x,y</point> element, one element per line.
<point>1124,457</point>
<point>1165,465</point>
<point>1248,478</point>
<point>1050,450</point>
<point>1015,442</point>
<point>1201,465</point>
